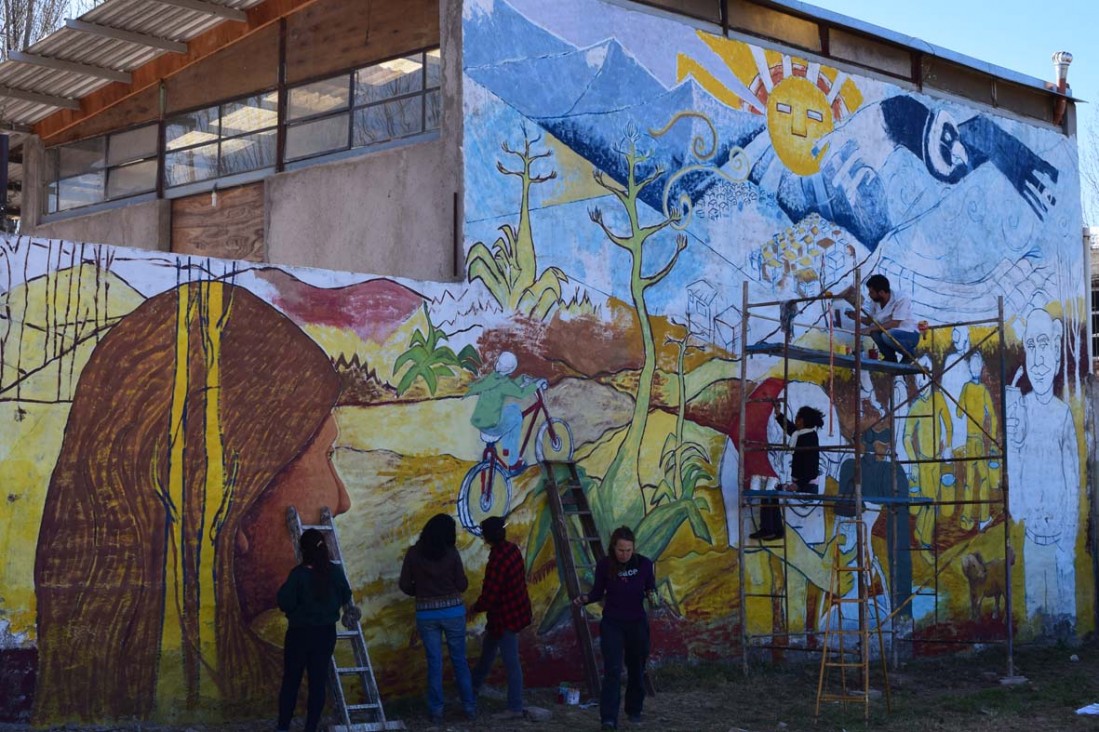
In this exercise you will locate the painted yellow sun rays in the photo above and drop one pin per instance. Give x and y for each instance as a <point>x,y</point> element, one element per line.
<point>802,100</point>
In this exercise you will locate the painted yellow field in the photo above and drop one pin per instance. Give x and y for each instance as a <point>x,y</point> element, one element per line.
<point>27,458</point>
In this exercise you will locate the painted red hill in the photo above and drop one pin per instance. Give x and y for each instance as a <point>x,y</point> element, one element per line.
<point>374,310</point>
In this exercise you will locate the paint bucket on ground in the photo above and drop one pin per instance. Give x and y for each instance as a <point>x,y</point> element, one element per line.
<point>573,697</point>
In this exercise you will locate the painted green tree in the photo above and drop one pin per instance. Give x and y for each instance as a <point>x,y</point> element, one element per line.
<point>509,270</point>
<point>685,466</point>
<point>619,496</point>
<point>428,359</point>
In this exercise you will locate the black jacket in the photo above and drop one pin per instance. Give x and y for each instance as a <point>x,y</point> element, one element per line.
<point>806,463</point>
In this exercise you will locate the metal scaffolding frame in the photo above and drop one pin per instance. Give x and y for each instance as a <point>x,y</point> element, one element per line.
<point>897,501</point>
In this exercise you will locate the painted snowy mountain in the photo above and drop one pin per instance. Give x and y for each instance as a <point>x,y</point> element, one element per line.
<point>504,34</point>
<point>591,98</point>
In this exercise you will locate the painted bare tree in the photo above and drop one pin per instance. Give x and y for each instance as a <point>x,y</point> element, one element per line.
<point>619,497</point>
<point>509,270</point>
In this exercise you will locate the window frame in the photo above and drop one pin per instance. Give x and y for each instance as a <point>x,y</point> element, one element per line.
<point>164,151</point>
<point>52,184</point>
<point>161,188</point>
<point>352,108</point>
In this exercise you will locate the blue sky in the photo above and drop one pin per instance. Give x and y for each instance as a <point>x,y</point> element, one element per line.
<point>1016,34</point>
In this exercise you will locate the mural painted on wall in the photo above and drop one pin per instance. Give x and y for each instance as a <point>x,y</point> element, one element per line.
<point>162,412</point>
<point>673,166</point>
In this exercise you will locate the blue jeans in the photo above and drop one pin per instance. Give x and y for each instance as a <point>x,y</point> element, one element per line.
<point>618,640</point>
<point>908,339</point>
<point>431,633</point>
<point>508,644</point>
<point>510,427</point>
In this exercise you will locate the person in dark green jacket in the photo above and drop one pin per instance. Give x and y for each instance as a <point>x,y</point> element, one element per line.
<point>311,597</point>
<point>497,414</point>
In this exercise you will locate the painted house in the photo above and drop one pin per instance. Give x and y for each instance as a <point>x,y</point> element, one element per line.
<point>275,256</point>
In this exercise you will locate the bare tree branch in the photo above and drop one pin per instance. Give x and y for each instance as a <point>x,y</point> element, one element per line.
<point>25,21</point>
<point>680,245</point>
<point>1089,173</point>
<point>596,215</point>
<point>611,185</point>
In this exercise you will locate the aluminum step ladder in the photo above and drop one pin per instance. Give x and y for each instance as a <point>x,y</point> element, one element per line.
<point>368,716</point>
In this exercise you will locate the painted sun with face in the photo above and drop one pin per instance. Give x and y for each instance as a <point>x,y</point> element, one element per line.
<point>798,115</point>
<point>802,100</point>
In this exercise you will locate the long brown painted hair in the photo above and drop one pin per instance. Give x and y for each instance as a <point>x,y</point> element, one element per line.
<point>121,520</point>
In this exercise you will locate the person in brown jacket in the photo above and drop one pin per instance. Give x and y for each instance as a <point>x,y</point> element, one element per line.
<point>432,573</point>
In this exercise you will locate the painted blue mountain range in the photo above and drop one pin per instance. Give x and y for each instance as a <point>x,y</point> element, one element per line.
<point>590,97</point>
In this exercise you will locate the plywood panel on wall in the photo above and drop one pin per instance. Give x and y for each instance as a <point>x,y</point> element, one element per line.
<point>231,229</point>
<point>333,35</point>
<point>249,65</point>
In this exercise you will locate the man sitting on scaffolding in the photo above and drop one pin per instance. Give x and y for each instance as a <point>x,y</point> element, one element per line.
<point>889,318</point>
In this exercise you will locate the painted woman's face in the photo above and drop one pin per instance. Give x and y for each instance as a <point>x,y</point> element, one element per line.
<point>264,550</point>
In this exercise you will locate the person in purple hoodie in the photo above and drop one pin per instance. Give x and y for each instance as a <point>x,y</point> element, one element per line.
<point>622,580</point>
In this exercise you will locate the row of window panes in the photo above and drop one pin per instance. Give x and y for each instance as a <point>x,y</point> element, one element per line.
<point>222,140</point>
<point>113,166</point>
<point>370,106</point>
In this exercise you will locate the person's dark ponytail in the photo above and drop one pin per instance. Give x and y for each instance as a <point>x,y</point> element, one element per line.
<point>314,552</point>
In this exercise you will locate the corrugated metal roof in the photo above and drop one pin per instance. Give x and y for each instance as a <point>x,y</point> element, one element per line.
<point>161,20</point>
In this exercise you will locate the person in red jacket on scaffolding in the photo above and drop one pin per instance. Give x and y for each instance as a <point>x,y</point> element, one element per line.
<point>505,600</point>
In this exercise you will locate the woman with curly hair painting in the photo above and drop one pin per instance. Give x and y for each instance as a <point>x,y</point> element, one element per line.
<point>198,419</point>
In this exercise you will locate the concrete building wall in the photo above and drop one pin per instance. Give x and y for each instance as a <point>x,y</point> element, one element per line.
<point>144,225</point>
<point>140,225</point>
<point>359,214</point>
<point>390,213</point>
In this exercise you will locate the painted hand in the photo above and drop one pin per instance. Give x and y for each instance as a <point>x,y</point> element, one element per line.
<point>1038,191</point>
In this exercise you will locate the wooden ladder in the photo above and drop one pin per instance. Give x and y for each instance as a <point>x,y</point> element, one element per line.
<point>369,716</point>
<point>835,653</point>
<point>574,533</point>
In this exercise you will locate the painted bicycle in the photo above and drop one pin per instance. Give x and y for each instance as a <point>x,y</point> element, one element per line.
<point>487,487</point>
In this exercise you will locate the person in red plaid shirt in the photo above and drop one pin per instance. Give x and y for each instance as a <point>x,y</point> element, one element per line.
<point>504,598</point>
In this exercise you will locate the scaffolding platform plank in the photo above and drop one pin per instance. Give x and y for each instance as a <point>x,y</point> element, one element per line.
<point>910,500</point>
<point>811,355</point>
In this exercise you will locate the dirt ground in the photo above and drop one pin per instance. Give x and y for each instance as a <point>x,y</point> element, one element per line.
<point>955,693</point>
